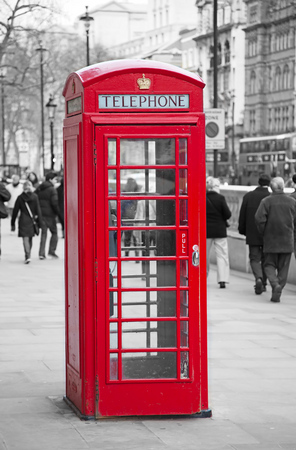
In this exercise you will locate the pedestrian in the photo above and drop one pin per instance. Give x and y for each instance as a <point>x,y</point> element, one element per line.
<point>28,205</point>
<point>128,213</point>
<point>34,180</point>
<point>4,197</point>
<point>294,186</point>
<point>60,191</point>
<point>15,188</point>
<point>247,227</point>
<point>294,196</point>
<point>218,213</point>
<point>48,199</point>
<point>276,221</point>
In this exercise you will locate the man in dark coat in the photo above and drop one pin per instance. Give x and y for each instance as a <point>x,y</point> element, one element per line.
<point>48,199</point>
<point>276,220</point>
<point>247,227</point>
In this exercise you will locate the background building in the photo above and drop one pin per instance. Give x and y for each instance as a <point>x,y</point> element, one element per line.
<point>270,67</point>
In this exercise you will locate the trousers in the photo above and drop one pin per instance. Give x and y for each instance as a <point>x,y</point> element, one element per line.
<point>256,257</point>
<point>27,243</point>
<point>51,224</point>
<point>276,266</point>
<point>221,251</point>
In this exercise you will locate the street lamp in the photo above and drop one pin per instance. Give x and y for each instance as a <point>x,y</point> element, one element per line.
<point>51,112</point>
<point>87,19</point>
<point>41,50</point>
<point>2,76</point>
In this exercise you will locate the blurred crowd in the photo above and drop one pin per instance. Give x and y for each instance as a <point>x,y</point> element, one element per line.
<point>34,206</point>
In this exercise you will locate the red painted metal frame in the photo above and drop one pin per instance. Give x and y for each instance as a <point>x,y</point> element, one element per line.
<point>190,395</point>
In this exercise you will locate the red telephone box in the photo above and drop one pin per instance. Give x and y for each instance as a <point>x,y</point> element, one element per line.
<point>135,247</point>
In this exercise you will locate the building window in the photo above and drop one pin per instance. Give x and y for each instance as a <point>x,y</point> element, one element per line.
<point>252,122</point>
<point>270,120</point>
<point>286,76</point>
<point>253,13</point>
<point>270,79</point>
<point>253,82</point>
<point>278,74</point>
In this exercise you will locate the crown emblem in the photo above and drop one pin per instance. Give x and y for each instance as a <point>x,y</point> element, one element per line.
<point>73,87</point>
<point>144,83</point>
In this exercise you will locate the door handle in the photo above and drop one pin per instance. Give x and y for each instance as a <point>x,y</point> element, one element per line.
<point>195,256</point>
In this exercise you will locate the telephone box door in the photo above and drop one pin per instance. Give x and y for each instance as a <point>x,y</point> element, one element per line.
<point>148,297</point>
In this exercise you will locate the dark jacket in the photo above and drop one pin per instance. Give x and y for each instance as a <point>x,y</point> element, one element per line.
<point>4,197</point>
<point>25,223</point>
<point>48,199</point>
<point>217,214</point>
<point>276,220</point>
<point>246,220</point>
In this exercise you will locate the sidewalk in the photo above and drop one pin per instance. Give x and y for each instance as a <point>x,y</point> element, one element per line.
<point>252,369</point>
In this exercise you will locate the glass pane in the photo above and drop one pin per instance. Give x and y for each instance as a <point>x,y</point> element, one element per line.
<point>148,212</point>
<point>113,335</point>
<point>155,274</point>
<point>147,152</point>
<point>111,152</point>
<point>146,242</point>
<point>113,304</point>
<point>184,303</point>
<point>183,151</point>
<point>112,182</point>
<point>149,365</point>
<point>183,272</point>
<point>184,212</point>
<point>113,274</point>
<point>147,181</point>
<point>113,366</point>
<point>183,182</point>
<point>143,304</point>
<point>184,333</point>
<point>148,334</point>
<point>184,365</point>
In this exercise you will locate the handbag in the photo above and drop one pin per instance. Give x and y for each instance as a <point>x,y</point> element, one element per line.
<point>35,224</point>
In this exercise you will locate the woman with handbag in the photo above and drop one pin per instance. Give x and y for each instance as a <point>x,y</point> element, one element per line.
<point>30,217</point>
<point>218,213</point>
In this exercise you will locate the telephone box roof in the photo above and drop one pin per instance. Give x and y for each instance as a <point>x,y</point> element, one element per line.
<point>91,74</point>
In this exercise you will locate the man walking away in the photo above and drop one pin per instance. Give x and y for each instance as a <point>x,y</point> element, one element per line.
<point>276,220</point>
<point>48,199</point>
<point>247,227</point>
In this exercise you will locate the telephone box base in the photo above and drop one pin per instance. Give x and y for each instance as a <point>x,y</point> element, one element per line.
<point>201,415</point>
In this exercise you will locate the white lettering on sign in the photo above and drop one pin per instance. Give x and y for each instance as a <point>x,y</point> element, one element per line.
<point>166,101</point>
<point>184,244</point>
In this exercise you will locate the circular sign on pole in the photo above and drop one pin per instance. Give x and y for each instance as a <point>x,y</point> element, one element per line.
<point>212,129</point>
<point>215,129</point>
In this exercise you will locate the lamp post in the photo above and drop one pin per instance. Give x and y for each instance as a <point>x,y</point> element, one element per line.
<point>41,50</point>
<point>215,75</point>
<point>87,19</point>
<point>51,112</point>
<point>2,76</point>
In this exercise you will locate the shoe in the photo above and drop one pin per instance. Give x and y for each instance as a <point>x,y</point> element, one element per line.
<point>222,284</point>
<point>264,288</point>
<point>27,261</point>
<point>41,257</point>
<point>258,286</point>
<point>276,294</point>
<point>53,255</point>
